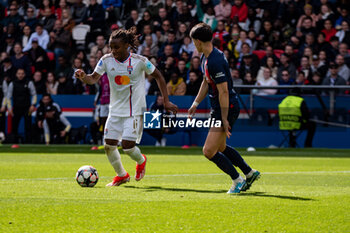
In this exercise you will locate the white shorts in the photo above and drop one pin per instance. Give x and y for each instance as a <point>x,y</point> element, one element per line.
<point>104,110</point>
<point>124,128</point>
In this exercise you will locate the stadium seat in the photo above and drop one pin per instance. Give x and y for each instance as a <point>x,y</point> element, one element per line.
<point>79,34</point>
<point>278,52</point>
<point>51,56</point>
<point>259,53</point>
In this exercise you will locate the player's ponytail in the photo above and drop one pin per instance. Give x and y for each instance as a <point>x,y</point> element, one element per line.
<point>127,36</point>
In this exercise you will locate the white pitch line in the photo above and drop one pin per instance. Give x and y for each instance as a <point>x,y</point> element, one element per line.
<point>184,175</point>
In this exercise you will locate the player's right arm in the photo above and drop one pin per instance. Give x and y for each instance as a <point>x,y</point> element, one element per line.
<point>203,91</point>
<point>87,78</point>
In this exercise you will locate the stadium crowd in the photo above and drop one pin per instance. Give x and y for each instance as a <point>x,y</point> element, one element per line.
<point>270,43</point>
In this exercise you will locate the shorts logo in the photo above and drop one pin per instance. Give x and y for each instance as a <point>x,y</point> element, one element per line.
<point>122,80</point>
<point>106,131</point>
<point>151,120</point>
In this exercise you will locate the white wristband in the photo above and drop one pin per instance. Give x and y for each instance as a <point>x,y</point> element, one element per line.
<point>195,104</point>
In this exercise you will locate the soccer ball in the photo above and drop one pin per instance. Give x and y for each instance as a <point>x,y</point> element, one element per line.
<point>87,176</point>
<point>2,137</point>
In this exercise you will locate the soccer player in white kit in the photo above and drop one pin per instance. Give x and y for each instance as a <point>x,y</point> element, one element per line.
<point>126,74</point>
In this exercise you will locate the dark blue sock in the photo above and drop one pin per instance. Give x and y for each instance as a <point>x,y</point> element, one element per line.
<point>225,165</point>
<point>236,159</point>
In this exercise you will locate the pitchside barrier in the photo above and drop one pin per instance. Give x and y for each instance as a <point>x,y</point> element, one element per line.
<point>257,124</point>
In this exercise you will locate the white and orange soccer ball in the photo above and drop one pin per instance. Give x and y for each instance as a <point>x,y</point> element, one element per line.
<point>87,176</point>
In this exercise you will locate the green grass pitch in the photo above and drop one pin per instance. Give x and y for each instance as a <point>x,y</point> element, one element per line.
<point>301,190</point>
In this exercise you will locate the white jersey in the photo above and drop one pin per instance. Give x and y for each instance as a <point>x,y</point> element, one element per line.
<point>127,83</point>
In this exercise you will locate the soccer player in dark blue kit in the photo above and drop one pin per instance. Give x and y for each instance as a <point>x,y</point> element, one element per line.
<point>225,107</point>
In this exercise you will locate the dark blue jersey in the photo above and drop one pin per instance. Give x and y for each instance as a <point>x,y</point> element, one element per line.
<point>216,70</point>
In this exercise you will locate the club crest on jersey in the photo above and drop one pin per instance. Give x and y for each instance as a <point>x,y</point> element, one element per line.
<point>130,69</point>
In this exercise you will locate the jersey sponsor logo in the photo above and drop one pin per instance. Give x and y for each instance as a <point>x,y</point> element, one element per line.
<point>122,80</point>
<point>112,69</point>
<point>220,74</point>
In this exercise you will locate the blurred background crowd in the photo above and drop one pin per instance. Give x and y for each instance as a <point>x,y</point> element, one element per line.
<point>266,42</point>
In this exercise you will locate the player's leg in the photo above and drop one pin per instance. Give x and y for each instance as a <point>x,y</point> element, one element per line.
<point>112,135</point>
<point>131,135</point>
<point>214,140</point>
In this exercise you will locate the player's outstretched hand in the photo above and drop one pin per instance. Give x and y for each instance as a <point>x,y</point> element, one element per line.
<point>80,74</point>
<point>169,106</point>
<point>227,128</point>
<point>192,111</point>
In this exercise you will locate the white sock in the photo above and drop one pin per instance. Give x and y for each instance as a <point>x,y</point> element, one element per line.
<point>239,179</point>
<point>115,159</point>
<point>135,154</point>
<point>250,173</point>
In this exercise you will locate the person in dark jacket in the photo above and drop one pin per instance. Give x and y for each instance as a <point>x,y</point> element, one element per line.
<point>22,98</point>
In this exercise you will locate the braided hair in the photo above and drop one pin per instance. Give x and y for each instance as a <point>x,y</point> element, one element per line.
<point>127,36</point>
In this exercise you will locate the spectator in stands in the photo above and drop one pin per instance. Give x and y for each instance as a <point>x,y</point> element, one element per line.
<point>187,46</point>
<point>51,84</point>
<point>62,67</point>
<point>266,35</point>
<point>67,21</point>
<point>60,40</point>
<point>21,60</point>
<point>148,43</point>
<point>30,18</point>
<point>318,66</point>
<point>22,99</point>
<point>181,69</point>
<point>95,16</point>
<point>243,39</point>
<point>221,34</point>
<point>193,84</point>
<point>248,65</point>
<point>334,78</point>
<point>301,79</point>
<point>343,50</point>
<point>79,12</point>
<point>322,44</point>
<point>65,86</point>
<point>209,18</point>
<point>307,13</point>
<point>286,65</point>
<point>39,82</point>
<point>25,36</point>
<point>247,80</point>
<point>168,52</point>
<point>40,36</point>
<point>100,44</point>
<point>171,40</point>
<point>38,56</point>
<point>147,31</point>
<point>305,67</point>
<point>333,49</point>
<point>181,33</point>
<point>7,45</point>
<point>329,30</point>
<point>61,6</point>
<point>232,44</point>
<point>343,69</point>
<point>12,17</point>
<point>185,15</point>
<point>236,80</point>
<point>146,19</point>
<point>270,63</point>
<point>344,16</point>
<point>47,19</point>
<point>8,70</point>
<point>306,27</point>
<point>223,10</point>
<point>344,33</point>
<point>154,6</point>
<point>176,85</point>
<point>239,12</point>
<point>269,53</point>
<point>325,14</point>
<point>316,79</point>
<point>46,4</point>
<point>196,66</point>
<point>286,79</point>
<point>133,19</point>
<point>267,81</point>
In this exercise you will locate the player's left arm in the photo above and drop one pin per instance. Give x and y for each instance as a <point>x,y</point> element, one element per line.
<point>162,87</point>
<point>224,105</point>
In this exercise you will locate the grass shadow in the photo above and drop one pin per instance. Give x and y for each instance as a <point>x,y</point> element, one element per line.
<point>257,194</point>
<point>263,194</point>
<point>157,188</point>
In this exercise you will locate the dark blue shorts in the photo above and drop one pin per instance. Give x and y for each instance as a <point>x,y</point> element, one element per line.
<point>232,116</point>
